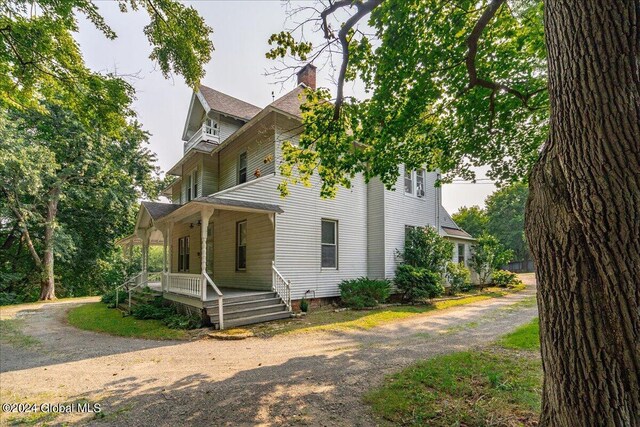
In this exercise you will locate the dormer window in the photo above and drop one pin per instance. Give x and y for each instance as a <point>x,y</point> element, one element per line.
<point>211,127</point>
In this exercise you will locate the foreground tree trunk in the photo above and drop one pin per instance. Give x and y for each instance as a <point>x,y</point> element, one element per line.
<point>583,216</point>
<point>47,285</point>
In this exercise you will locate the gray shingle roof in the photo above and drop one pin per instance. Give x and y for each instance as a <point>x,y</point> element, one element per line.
<point>223,201</point>
<point>456,232</point>
<point>229,105</point>
<point>290,102</point>
<point>158,210</point>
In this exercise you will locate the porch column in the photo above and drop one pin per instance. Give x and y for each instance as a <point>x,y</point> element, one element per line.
<point>205,215</point>
<point>169,254</point>
<point>145,254</point>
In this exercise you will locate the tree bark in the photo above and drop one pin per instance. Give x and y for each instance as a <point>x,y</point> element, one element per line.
<point>47,286</point>
<point>583,216</point>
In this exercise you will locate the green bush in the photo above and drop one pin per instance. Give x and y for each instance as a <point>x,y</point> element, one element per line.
<point>109,298</point>
<point>417,284</point>
<point>459,277</point>
<point>304,305</point>
<point>363,292</point>
<point>505,279</point>
<point>181,321</point>
<point>152,310</point>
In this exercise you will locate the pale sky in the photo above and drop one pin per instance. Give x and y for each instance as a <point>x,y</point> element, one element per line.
<point>240,33</point>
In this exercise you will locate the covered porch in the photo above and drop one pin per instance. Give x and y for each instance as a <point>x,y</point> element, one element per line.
<point>213,249</point>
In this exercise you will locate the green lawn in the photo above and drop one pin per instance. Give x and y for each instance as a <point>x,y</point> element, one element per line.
<point>98,318</point>
<point>499,386</point>
<point>327,319</point>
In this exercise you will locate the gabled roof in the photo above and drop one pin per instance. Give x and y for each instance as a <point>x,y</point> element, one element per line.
<point>228,105</point>
<point>456,232</point>
<point>290,102</point>
<point>158,210</point>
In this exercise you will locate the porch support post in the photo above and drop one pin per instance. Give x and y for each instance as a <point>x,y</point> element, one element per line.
<point>205,215</point>
<point>165,233</point>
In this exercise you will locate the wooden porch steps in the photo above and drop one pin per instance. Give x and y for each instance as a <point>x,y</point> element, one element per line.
<point>254,307</point>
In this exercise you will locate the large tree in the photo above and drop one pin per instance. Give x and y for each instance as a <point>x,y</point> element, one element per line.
<point>472,219</point>
<point>72,115</point>
<point>505,218</point>
<point>460,83</point>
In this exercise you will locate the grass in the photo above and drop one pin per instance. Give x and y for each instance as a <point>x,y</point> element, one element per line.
<point>524,338</point>
<point>10,333</point>
<point>499,385</point>
<point>98,317</point>
<point>327,319</point>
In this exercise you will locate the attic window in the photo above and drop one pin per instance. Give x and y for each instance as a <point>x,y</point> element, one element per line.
<point>211,127</point>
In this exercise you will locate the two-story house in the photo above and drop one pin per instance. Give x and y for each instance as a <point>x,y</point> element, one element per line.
<point>238,250</point>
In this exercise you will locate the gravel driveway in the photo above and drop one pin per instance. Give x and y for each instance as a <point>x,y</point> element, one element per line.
<point>299,379</point>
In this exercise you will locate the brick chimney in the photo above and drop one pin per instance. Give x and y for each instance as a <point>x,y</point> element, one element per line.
<point>308,75</point>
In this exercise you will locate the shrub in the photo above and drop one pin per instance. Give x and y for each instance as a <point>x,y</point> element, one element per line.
<point>152,310</point>
<point>506,279</point>
<point>425,248</point>
<point>363,292</point>
<point>459,277</point>
<point>109,298</point>
<point>304,305</point>
<point>181,321</point>
<point>487,256</point>
<point>416,283</point>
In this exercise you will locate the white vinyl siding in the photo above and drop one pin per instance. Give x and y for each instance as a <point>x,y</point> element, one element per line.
<point>375,229</point>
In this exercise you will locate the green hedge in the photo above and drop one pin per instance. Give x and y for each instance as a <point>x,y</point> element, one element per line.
<point>364,292</point>
<point>417,284</point>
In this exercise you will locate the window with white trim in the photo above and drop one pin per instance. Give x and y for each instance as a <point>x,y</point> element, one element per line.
<point>420,178</point>
<point>241,245</point>
<point>408,181</point>
<point>211,127</point>
<point>189,184</point>
<point>414,182</point>
<point>242,168</point>
<point>461,253</point>
<point>329,244</point>
<point>194,180</point>
<point>183,253</point>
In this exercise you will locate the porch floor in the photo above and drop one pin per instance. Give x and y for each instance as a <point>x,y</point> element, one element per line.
<point>212,296</point>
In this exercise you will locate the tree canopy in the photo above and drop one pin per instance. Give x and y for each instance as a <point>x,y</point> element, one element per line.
<point>446,90</point>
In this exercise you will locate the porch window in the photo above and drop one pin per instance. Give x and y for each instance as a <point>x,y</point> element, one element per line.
<point>183,253</point>
<point>241,245</point>
<point>408,180</point>
<point>242,168</point>
<point>211,127</point>
<point>461,253</point>
<point>420,183</point>
<point>329,244</point>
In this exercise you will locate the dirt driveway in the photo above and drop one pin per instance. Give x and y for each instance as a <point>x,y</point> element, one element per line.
<point>298,379</point>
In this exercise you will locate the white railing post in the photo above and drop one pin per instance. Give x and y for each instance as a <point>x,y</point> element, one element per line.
<point>220,312</point>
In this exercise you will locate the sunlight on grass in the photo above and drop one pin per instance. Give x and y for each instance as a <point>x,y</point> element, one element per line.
<point>11,334</point>
<point>98,318</point>
<point>327,319</point>
<point>526,337</point>
<point>495,386</point>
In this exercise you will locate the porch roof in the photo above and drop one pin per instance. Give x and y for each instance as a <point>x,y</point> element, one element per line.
<point>225,202</point>
<point>158,210</point>
<point>456,233</point>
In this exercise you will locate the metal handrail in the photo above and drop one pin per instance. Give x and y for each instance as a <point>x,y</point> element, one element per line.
<point>220,297</point>
<point>285,293</point>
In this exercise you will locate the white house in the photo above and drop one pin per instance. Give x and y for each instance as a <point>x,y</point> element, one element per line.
<point>239,251</point>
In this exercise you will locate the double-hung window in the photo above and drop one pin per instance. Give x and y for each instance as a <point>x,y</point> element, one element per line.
<point>461,253</point>
<point>242,168</point>
<point>183,253</point>
<point>408,181</point>
<point>189,184</point>
<point>414,182</point>
<point>329,244</point>
<point>194,178</point>
<point>241,245</point>
<point>420,183</point>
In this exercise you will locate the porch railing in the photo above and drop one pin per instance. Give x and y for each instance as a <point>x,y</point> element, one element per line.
<point>185,284</point>
<point>203,134</point>
<point>281,286</point>
<point>208,280</point>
